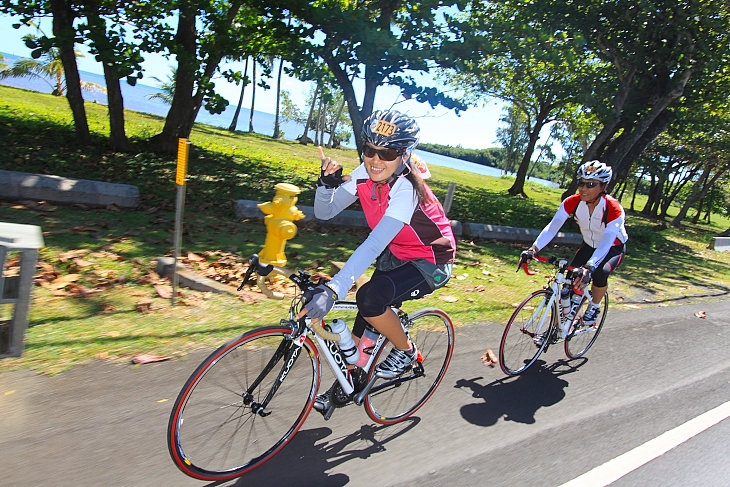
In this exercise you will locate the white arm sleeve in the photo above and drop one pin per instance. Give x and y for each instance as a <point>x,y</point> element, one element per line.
<point>609,237</point>
<point>329,202</point>
<point>383,233</point>
<point>552,228</point>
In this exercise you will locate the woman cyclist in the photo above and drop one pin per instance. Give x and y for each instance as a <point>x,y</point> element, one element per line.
<point>411,236</point>
<point>601,221</point>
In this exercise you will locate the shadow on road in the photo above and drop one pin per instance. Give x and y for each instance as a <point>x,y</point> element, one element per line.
<point>312,452</point>
<point>517,398</point>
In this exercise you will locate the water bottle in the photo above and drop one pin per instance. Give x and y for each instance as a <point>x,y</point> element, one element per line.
<point>565,300</point>
<point>574,304</point>
<point>346,342</point>
<point>367,342</point>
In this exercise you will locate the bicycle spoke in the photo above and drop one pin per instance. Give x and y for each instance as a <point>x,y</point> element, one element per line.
<point>395,400</point>
<point>216,435</point>
<point>520,345</point>
<point>581,338</point>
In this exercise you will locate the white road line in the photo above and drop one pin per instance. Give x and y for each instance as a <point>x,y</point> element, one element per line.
<point>631,460</point>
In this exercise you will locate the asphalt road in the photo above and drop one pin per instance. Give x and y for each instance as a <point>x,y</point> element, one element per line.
<point>650,371</point>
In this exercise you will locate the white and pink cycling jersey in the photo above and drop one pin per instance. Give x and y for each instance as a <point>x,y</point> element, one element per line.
<point>601,229</point>
<point>426,233</point>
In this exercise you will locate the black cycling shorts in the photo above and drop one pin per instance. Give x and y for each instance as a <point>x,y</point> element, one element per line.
<point>612,260</point>
<point>387,288</point>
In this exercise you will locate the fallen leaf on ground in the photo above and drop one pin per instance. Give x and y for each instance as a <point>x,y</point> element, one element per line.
<point>620,299</point>
<point>248,298</point>
<point>146,358</point>
<point>143,306</point>
<point>163,290</point>
<point>449,298</point>
<point>489,358</point>
<point>701,314</point>
<point>82,262</point>
<point>195,257</point>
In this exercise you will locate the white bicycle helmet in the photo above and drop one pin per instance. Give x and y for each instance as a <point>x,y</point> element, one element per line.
<point>595,170</point>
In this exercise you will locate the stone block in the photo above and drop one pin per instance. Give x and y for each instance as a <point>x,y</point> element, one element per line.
<point>42,187</point>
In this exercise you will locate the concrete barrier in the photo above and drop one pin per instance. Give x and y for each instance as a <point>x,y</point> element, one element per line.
<point>356,219</point>
<point>42,187</point>
<point>514,234</point>
<point>721,244</point>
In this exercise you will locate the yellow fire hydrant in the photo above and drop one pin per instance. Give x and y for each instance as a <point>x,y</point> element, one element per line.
<point>280,213</point>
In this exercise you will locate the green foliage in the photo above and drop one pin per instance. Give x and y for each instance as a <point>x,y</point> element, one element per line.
<point>123,314</point>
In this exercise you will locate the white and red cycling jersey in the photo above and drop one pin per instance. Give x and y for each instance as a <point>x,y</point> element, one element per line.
<point>601,229</point>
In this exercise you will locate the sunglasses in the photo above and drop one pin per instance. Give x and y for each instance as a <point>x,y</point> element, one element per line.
<point>588,184</point>
<point>386,154</point>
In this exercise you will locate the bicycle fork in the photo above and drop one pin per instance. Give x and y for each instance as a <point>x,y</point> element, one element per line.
<point>289,350</point>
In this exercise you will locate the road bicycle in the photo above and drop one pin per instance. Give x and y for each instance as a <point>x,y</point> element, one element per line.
<point>540,321</point>
<point>249,398</point>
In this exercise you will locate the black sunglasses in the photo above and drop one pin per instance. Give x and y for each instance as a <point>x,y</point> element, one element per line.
<point>588,184</point>
<point>386,154</point>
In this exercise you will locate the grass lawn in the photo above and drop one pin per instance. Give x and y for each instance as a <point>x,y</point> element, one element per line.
<point>97,296</point>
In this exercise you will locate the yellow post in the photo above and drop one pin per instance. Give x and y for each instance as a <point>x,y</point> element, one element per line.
<point>280,213</point>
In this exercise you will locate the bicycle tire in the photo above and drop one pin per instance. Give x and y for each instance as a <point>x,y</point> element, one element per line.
<point>579,338</point>
<point>519,347</point>
<point>392,401</point>
<point>212,435</point>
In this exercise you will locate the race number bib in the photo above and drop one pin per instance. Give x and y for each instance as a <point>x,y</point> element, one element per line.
<point>384,128</point>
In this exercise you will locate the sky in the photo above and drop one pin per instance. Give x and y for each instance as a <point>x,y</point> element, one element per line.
<point>474,128</point>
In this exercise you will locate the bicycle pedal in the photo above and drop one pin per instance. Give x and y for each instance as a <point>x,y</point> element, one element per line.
<point>327,413</point>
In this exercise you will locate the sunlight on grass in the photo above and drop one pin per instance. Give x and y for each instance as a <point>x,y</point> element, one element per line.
<point>113,310</point>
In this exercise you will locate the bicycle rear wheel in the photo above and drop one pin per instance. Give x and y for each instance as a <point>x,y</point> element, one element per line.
<point>580,337</point>
<point>392,401</point>
<point>214,432</point>
<point>521,340</point>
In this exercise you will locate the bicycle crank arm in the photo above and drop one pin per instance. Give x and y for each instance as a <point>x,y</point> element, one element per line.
<point>359,398</point>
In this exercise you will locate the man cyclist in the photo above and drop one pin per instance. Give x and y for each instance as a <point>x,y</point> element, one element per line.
<point>411,236</point>
<point>601,221</point>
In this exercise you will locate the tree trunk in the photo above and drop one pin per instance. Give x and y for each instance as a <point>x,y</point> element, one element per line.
<point>186,105</point>
<point>63,30</point>
<point>182,101</point>
<point>277,133</point>
<point>518,188</point>
<point>693,197</point>
<point>632,142</point>
<point>304,139</point>
<point>115,101</point>
<point>253,96</point>
<point>234,121</point>
<point>699,212</point>
<point>322,118</point>
<point>636,188</point>
<point>598,144</point>
<point>335,123</point>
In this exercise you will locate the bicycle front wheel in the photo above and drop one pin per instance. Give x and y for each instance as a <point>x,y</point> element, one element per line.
<point>220,427</point>
<point>392,401</point>
<point>581,337</point>
<point>527,333</point>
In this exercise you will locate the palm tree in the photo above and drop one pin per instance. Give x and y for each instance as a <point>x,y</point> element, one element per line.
<point>167,87</point>
<point>49,69</point>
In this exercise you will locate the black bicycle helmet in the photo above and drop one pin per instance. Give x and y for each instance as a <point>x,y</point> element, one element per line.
<point>390,128</point>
